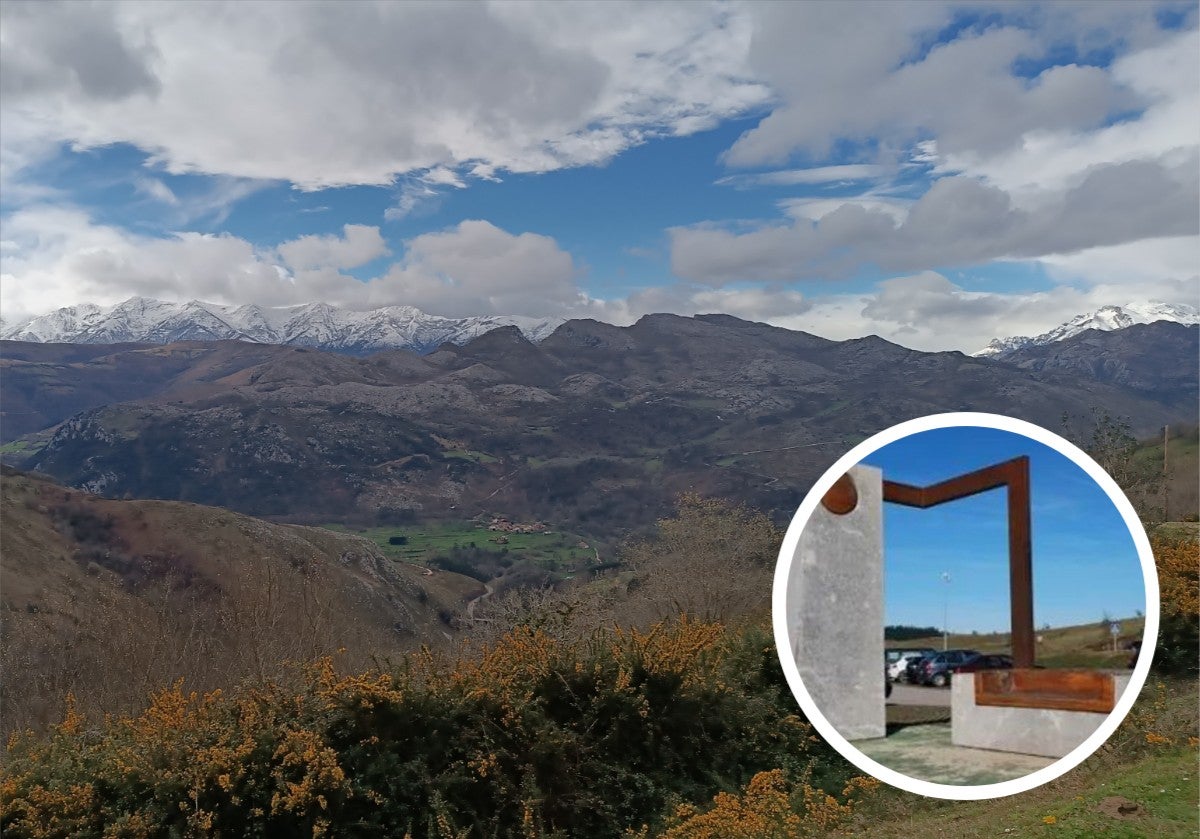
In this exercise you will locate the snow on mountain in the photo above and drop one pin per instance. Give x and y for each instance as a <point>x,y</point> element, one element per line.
<point>1105,319</point>
<point>144,320</point>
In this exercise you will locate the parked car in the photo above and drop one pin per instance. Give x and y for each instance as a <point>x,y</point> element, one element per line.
<point>984,662</point>
<point>914,668</point>
<point>935,669</point>
<point>898,659</point>
<point>887,683</point>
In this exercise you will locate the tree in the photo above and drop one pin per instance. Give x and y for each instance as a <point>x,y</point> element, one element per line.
<point>1110,442</point>
<point>712,560</point>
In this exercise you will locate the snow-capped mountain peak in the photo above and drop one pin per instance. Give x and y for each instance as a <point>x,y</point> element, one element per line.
<point>1105,319</point>
<point>146,320</point>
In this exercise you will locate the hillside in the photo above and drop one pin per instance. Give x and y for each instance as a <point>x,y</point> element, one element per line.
<point>1088,645</point>
<point>157,590</point>
<point>1155,359</point>
<point>596,430</point>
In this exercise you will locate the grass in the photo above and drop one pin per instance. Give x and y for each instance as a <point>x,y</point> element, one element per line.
<point>1160,777</point>
<point>16,447</point>
<point>1087,645</point>
<point>1163,786</point>
<point>471,455</point>
<point>554,550</point>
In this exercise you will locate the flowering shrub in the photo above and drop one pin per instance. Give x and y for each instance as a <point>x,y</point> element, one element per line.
<point>1178,648</point>
<point>770,807</point>
<point>528,737</point>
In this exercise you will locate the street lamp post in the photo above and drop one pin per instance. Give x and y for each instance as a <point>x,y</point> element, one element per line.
<point>946,611</point>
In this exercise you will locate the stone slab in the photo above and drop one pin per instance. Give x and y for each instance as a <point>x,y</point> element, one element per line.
<point>835,610</point>
<point>1034,731</point>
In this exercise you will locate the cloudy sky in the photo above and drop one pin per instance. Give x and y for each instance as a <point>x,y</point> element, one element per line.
<point>935,173</point>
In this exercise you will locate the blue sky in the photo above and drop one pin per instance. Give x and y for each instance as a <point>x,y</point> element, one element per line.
<point>936,173</point>
<point>1085,564</point>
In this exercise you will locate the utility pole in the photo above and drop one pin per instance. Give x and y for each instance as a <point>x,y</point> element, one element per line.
<point>946,611</point>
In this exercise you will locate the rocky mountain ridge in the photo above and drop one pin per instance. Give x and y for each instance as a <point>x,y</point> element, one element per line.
<point>1104,319</point>
<point>596,428</point>
<point>317,325</point>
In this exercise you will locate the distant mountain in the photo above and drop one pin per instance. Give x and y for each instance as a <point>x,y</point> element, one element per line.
<point>596,429</point>
<point>1156,359</point>
<point>1105,319</point>
<point>319,325</point>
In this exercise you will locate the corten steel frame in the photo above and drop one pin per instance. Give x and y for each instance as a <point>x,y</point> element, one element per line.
<point>1013,474</point>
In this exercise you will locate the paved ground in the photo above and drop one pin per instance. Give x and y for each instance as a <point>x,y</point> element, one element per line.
<point>913,695</point>
<point>925,752</point>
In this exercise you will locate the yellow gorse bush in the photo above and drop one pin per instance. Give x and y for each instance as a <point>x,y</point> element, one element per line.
<point>1178,576</point>
<point>530,736</point>
<point>769,807</point>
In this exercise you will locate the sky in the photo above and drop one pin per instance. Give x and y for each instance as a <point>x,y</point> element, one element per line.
<point>1085,565</point>
<point>935,173</point>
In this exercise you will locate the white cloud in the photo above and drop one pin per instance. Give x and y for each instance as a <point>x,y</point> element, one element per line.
<point>1022,167</point>
<point>1162,77</point>
<point>60,256</point>
<point>815,209</point>
<point>477,268</point>
<point>816,175</point>
<point>54,256</point>
<point>1154,261</point>
<point>156,189</point>
<point>959,221</point>
<point>51,256</point>
<point>359,93</point>
<point>865,71</point>
<point>358,245</point>
<point>927,311</point>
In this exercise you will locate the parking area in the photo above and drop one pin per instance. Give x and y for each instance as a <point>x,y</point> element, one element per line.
<point>914,695</point>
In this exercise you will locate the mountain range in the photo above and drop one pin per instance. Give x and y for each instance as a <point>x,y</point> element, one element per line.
<point>1104,319</point>
<point>596,429</point>
<point>148,321</point>
<point>142,320</point>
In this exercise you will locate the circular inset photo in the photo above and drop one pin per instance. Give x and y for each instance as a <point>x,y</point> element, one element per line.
<point>965,606</point>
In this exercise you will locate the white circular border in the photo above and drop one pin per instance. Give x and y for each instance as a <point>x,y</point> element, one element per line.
<point>952,791</point>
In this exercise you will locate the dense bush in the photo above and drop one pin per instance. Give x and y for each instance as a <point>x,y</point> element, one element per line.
<point>528,737</point>
<point>1178,648</point>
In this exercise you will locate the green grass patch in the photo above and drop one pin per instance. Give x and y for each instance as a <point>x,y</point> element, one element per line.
<point>553,550</point>
<point>1081,807</point>
<point>471,455</point>
<point>18,447</point>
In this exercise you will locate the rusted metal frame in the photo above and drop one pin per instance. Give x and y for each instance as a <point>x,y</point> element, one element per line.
<point>1061,690</point>
<point>1013,474</point>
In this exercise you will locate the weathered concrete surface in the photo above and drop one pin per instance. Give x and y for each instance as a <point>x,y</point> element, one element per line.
<point>927,753</point>
<point>1031,731</point>
<point>835,610</point>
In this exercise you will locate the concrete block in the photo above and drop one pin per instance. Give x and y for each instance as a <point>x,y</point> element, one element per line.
<point>1032,731</point>
<point>835,610</point>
